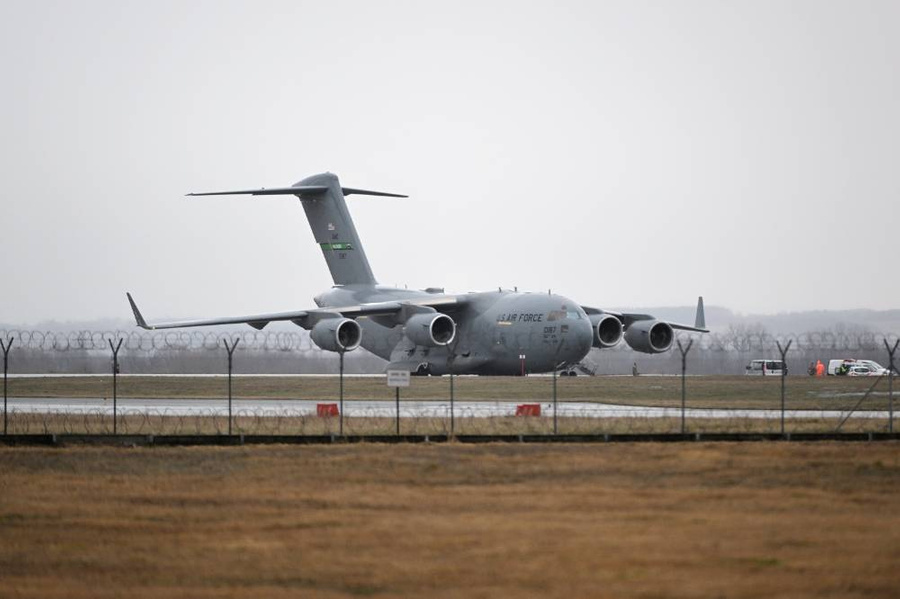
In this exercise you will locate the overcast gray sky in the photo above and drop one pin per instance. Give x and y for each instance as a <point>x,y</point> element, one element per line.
<point>622,154</point>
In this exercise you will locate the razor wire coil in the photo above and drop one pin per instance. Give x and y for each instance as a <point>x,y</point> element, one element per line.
<point>150,342</point>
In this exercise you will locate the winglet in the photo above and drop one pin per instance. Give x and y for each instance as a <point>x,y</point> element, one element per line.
<point>137,313</point>
<point>700,320</point>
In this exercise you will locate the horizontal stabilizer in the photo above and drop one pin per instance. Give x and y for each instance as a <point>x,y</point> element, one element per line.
<point>272,191</point>
<point>300,190</point>
<point>363,192</point>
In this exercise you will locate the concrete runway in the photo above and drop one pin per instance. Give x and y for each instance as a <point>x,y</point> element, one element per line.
<point>387,409</point>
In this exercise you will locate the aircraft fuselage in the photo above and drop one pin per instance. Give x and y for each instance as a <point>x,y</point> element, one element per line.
<point>494,330</point>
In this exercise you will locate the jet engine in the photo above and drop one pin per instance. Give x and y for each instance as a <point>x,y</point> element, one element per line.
<point>431,330</point>
<point>650,336</point>
<point>337,334</point>
<point>607,330</point>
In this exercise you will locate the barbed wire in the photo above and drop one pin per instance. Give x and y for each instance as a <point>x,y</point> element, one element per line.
<point>809,341</point>
<point>148,342</point>
<point>283,341</point>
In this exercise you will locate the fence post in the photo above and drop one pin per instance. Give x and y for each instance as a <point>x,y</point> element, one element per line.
<point>783,351</point>
<point>230,351</point>
<point>556,367</point>
<point>115,369</point>
<point>451,358</point>
<point>341,415</point>
<point>397,399</point>
<point>452,423</point>
<point>684,352</point>
<point>555,429</point>
<point>6,347</point>
<point>891,351</point>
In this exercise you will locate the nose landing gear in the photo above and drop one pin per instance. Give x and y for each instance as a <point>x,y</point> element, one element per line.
<point>423,369</point>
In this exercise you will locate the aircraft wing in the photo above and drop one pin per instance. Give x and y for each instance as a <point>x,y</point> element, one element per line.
<point>303,318</point>
<point>686,327</point>
<point>629,318</point>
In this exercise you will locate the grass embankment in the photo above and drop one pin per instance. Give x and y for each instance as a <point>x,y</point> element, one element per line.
<point>629,520</point>
<point>133,423</point>
<point>802,392</point>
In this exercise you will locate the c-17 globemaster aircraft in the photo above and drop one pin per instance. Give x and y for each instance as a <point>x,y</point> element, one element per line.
<point>431,332</point>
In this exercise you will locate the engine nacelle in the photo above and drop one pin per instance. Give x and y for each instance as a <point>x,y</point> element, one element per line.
<point>430,330</point>
<point>337,334</point>
<point>650,336</point>
<point>607,330</point>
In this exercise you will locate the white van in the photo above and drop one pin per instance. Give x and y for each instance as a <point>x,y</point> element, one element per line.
<point>838,367</point>
<point>766,368</point>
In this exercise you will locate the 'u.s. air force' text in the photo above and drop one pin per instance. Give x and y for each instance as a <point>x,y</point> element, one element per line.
<point>520,317</point>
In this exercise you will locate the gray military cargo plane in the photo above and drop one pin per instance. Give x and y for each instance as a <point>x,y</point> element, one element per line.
<point>431,332</point>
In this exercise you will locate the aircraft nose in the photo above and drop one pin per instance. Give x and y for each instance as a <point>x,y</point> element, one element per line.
<point>582,336</point>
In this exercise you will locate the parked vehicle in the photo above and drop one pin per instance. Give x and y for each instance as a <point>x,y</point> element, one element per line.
<point>862,370</point>
<point>873,366</point>
<point>766,368</point>
<point>846,366</point>
<point>840,367</point>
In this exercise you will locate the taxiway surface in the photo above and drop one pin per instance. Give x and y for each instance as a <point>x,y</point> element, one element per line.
<point>408,409</point>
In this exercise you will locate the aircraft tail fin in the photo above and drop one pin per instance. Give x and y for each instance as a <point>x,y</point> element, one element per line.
<point>326,210</point>
<point>334,231</point>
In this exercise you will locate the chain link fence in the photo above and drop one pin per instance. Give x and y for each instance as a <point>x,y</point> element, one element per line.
<point>299,341</point>
<point>654,402</point>
<point>285,352</point>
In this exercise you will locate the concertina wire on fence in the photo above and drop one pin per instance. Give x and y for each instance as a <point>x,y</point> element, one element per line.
<point>284,341</point>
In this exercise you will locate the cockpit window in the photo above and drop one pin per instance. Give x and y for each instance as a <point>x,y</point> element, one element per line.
<point>564,315</point>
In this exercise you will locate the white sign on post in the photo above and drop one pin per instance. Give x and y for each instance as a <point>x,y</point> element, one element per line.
<point>398,378</point>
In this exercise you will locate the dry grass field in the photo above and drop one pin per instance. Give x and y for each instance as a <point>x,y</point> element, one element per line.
<point>620,520</point>
<point>803,392</point>
<point>131,423</point>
